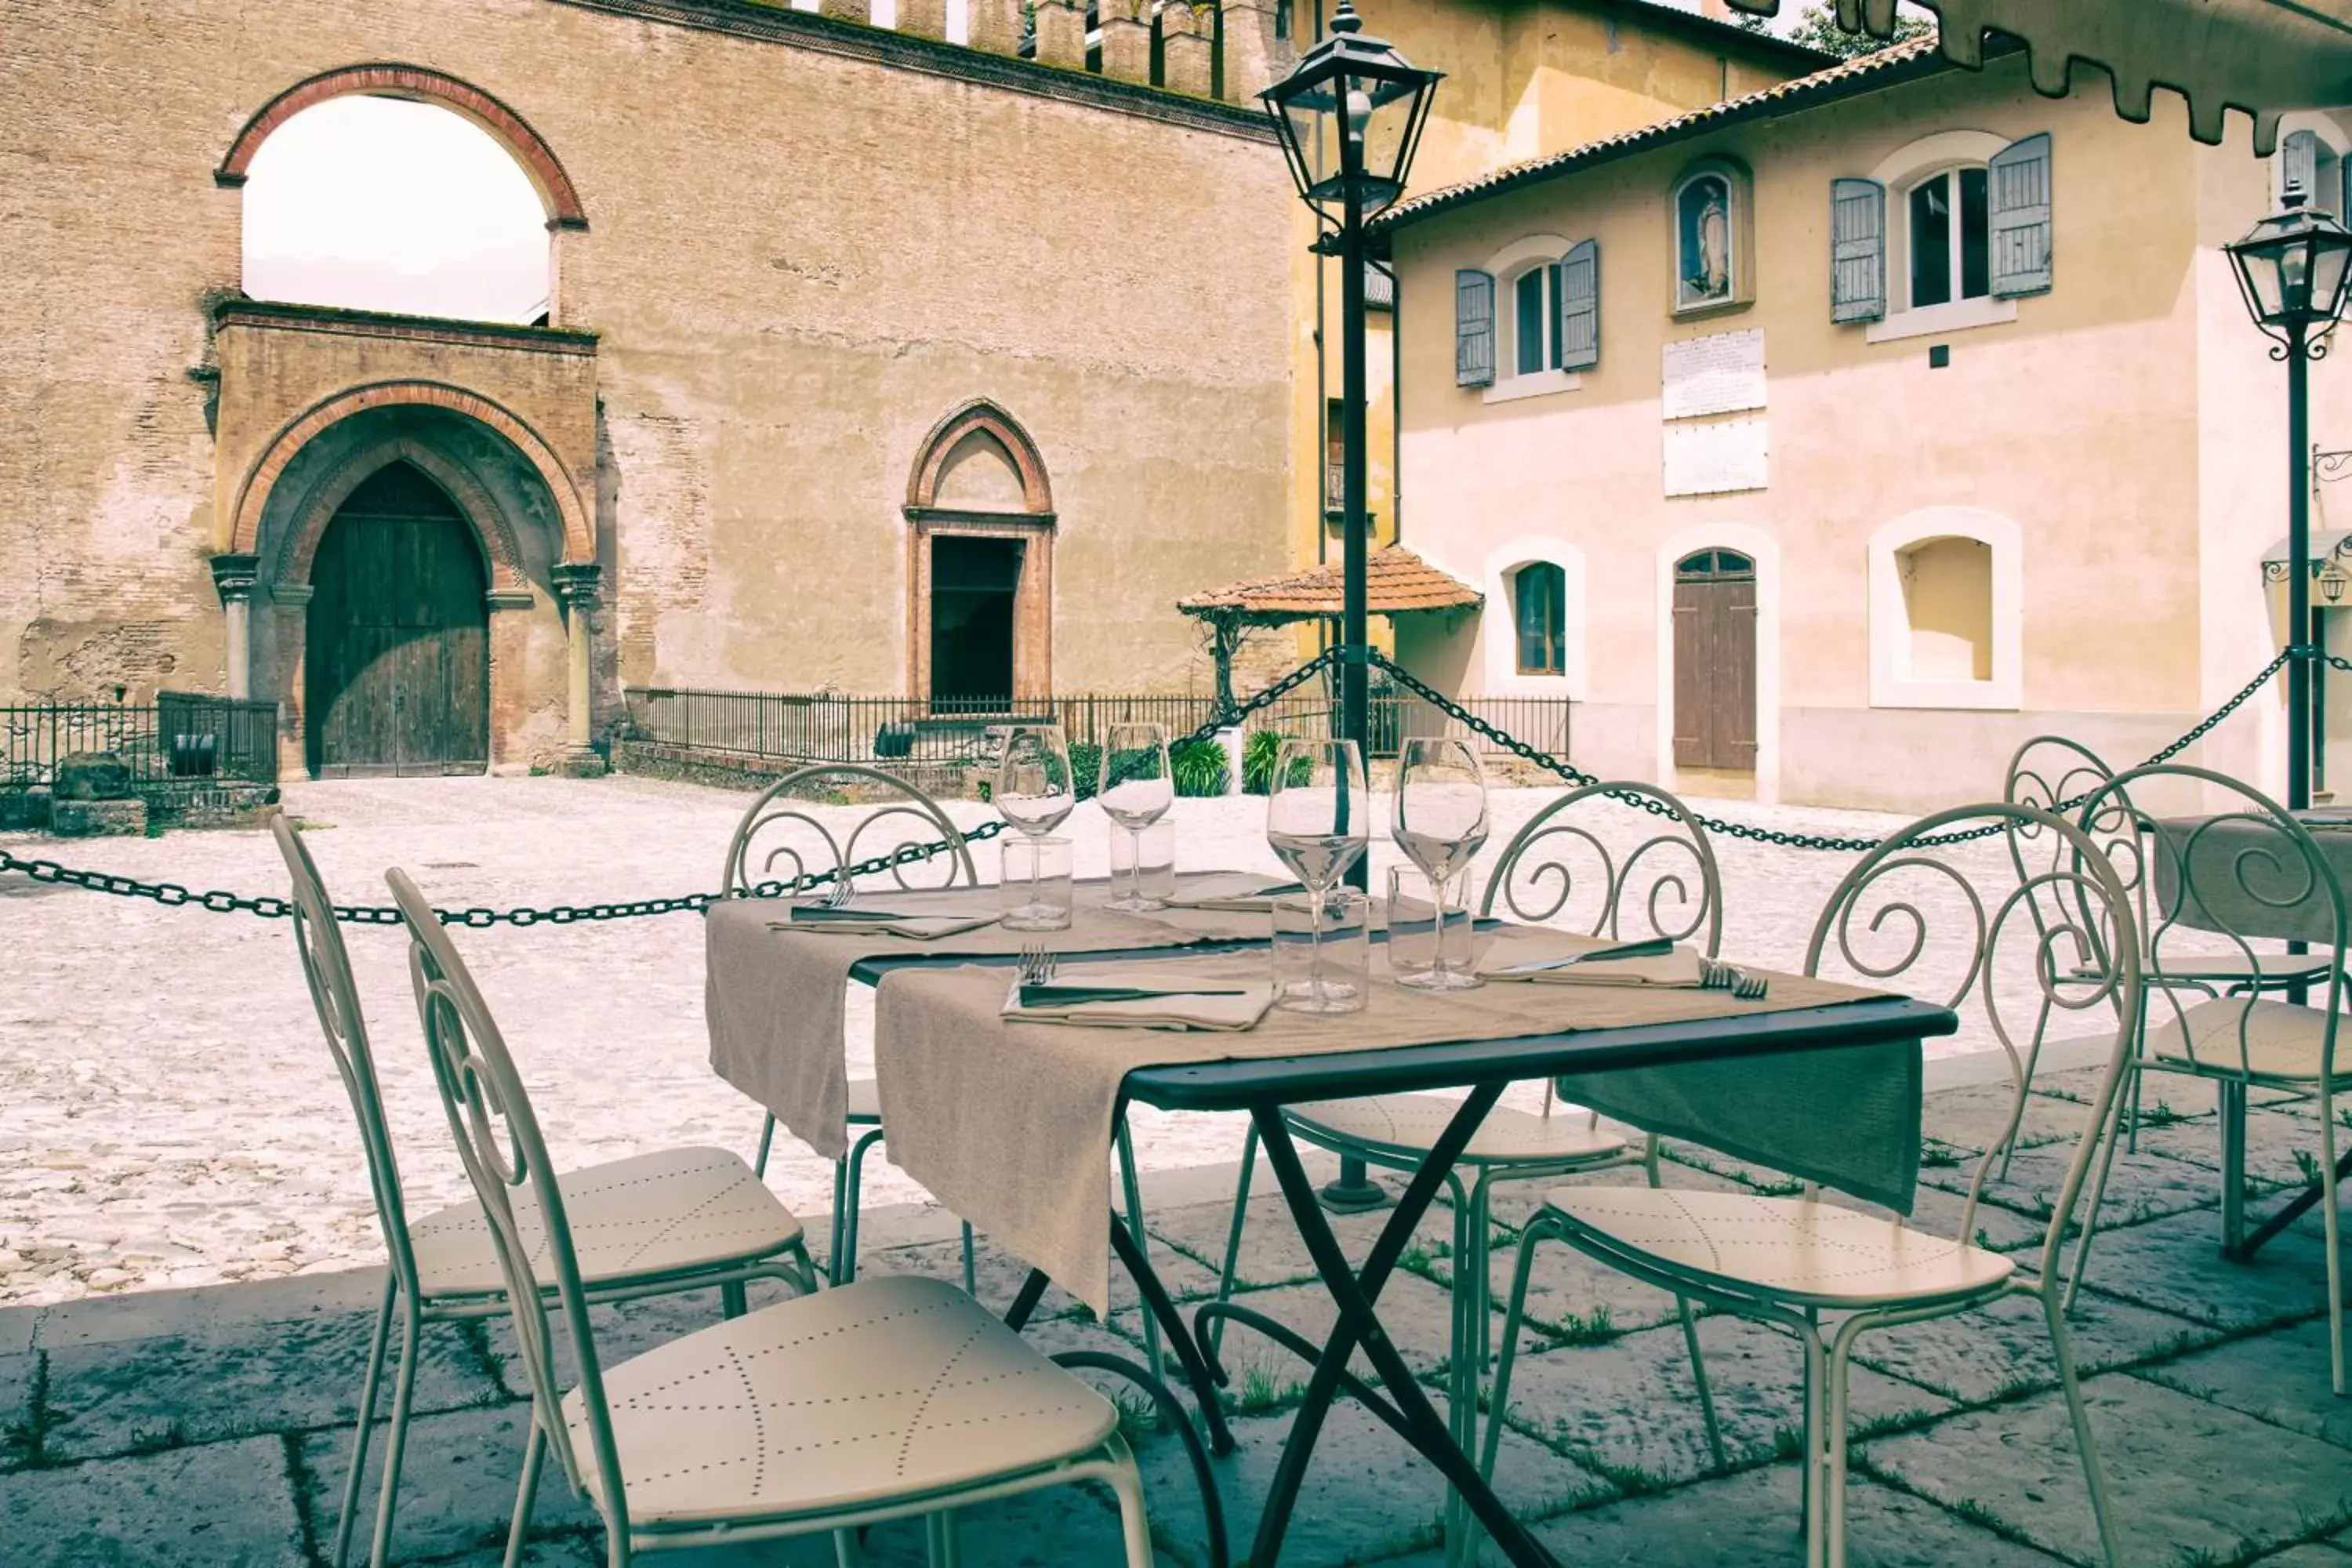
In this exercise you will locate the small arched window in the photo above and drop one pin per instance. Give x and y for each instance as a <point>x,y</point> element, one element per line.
<point>1540,619</point>
<point>1711,237</point>
<point>1947,611</point>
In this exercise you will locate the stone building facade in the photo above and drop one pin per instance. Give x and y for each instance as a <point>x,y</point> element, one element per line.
<point>827,299</point>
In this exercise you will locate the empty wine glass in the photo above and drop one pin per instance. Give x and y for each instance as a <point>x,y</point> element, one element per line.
<point>1441,823</point>
<point>1136,791</point>
<point>1033,793</point>
<point>1319,820</point>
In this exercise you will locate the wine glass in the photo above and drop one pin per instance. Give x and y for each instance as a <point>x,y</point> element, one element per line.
<point>1319,820</point>
<point>1136,791</point>
<point>1033,793</point>
<point>1441,823</point>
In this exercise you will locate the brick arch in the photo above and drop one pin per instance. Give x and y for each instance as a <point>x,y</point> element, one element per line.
<point>253,494</point>
<point>979,414</point>
<point>493,529</point>
<point>418,84</point>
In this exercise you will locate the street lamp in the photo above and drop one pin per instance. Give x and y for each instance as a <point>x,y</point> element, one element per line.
<point>1357,92</point>
<point>2292,270</point>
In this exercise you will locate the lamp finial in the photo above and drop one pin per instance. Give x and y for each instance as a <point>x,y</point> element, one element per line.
<point>1345,20</point>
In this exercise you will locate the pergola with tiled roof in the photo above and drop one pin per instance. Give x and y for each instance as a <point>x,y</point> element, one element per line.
<point>1397,582</point>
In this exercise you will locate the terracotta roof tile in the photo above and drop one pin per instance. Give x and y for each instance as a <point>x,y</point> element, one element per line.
<point>1396,581</point>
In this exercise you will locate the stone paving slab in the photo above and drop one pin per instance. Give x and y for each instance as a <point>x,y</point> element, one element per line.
<point>1630,1409</point>
<point>2175,1266</point>
<point>2283,1378</point>
<point>457,1483</point>
<point>2140,1186</point>
<point>2185,1475</point>
<point>1417,1314</point>
<point>225,1504</point>
<point>2005,1348</point>
<point>17,1374</point>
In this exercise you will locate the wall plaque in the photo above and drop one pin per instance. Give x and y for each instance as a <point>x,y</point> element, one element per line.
<point>1722,372</point>
<point>1711,459</point>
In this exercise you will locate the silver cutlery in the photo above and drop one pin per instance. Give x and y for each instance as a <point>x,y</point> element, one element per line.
<point>1715,975</point>
<point>1657,947</point>
<point>1038,963</point>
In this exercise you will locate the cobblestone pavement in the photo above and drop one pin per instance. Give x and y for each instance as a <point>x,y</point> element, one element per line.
<point>171,1118</point>
<point>209,1427</point>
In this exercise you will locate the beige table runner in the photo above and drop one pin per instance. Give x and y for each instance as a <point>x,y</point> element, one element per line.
<point>1009,1125</point>
<point>775,1001</point>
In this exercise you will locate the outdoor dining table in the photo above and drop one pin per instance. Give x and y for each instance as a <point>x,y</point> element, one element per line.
<point>936,1008</point>
<point>2260,898</point>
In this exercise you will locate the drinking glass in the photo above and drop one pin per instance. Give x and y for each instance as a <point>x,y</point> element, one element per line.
<point>1035,888</point>
<point>1441,823</point>
<point>1136,791</point>
<point>1033,793</point>
<point>1323,941</point>
<point>1319,820</point>
<point>1422,943</point>
<point>1149,857</point>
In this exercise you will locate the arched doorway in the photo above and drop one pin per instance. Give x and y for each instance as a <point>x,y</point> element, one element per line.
<point>397,643</point>
<point>1714,661</point>
<point>981,614</point>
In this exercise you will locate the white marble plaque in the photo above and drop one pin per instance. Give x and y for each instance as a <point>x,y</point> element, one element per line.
<point>1722,372</point>
<point>1711,459</point>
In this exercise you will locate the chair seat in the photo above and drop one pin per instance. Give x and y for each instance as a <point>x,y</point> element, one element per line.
<point>650,1214</point>
<point>1805,1253</point>
<point>865,1103</point>
<point>1405,1126</point>
<point>2279,1039</point>
<point>886,1388</point>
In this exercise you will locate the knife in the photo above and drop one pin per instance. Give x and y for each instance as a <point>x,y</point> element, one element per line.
<point>818,914</point>
<point>1657,947</point>
<point>1071,995</point>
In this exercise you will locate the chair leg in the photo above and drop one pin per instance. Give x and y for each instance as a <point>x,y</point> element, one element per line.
<point>2094,1474</point>
<point>940,1548</point>
<point>1499,1401</point>
<point>1132,1183</point>
<point>1233,1237</point>
<point>970,1263</point>
<point>2113,1134</point>
<point>534,1456</point>
<point>767,1138</point>
<point>732,1301</point>
<point>2017,1123</point>
<point>2332,1221</point>
<point>840,1214</point>
<point>1706,1390</point>
<point>1461,1377</point>
<point>847,1552</point>
<point>349,1514</point>
<point>1835,1422</point>
<point>1134,1525</point>
<point>1816,1500</point>
<point>396,1441</point>
<point>845,1261</point>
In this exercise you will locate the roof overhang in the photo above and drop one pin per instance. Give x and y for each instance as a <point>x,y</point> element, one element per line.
<point>2262,58</point>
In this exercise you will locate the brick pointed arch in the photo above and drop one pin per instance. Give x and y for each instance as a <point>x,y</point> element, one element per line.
<point>979,414</point>
<point>254,491</point>
<point>501,557</point>
<point>418,84</point>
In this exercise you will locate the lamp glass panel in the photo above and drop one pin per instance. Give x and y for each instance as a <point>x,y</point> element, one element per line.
<point>2258,269</point>
<point>2329,256</point>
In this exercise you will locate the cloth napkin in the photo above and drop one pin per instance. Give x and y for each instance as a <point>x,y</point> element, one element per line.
<point>1244,891</point>
<point>1679,968</point>
<point>1197,1011</point>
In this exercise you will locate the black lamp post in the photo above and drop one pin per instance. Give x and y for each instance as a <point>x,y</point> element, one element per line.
<point>1357,92</point>
<point>2292,270</point>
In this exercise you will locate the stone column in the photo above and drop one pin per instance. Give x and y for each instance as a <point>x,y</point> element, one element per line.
<point>1126,38</point>
<point>923,18</point>
<point>995,25</point>
<point>575,582</point>
<point>1186,45</point>
<point>1255,58</point>
<point>1061,35</point>
<point>233,580</point>
<point>290,635</point>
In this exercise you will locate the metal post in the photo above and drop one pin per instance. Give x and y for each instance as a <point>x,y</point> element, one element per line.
<point>2298,578</point>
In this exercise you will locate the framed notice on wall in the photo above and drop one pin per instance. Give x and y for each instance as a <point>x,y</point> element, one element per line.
<point>1714,459</point>
<point>1722,372</point>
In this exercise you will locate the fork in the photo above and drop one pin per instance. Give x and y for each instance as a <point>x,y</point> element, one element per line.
<point>837,895</point>
<point>1037,965</point>
<point>1719,976</point>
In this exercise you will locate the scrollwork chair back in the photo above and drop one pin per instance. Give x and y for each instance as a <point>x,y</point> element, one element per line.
<point>779,839</point>
<point>1566,872</point>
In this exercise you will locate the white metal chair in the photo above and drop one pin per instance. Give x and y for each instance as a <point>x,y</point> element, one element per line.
<point>1554,869</point>
<point>682,1220</point>
<point>1794,1262</point>
<point>2251,863</point>
<point>886,1399</point>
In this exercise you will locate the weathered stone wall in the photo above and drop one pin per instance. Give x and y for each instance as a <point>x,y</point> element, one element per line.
<point>797,260</point>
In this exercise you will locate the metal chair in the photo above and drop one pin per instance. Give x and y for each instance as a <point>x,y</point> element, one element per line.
<point>683,1219</point>
<point>2250,865</point>
<point>1789,1262</point>
<point>888,1399</point>
<point>1554,869</point>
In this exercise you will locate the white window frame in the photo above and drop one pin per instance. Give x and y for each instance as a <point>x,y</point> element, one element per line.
<point>1902,172</point>
<point>1506,267</point>
<point>1499,622</point>
<point>1891,683</point>
<point>2332,137</point>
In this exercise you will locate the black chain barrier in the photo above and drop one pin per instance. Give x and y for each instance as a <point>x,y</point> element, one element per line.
<point>172,895</point>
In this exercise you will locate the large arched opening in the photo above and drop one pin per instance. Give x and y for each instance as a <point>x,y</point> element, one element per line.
<point>980,538</point>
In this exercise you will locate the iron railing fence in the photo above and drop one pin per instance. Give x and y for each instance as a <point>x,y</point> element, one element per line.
<point>821,728</point>
<point>180,738</point>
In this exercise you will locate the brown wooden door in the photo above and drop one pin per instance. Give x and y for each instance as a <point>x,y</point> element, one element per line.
<point>1714,661</point>
<point>397,647</point>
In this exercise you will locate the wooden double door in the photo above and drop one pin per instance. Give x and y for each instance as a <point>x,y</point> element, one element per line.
<point>396,651</point>
<point>1714,661</point>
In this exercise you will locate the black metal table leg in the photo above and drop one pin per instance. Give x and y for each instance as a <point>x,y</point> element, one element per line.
<point>1179,1336</point>
<point>2296,1207</point>
<point>1354,1291</point>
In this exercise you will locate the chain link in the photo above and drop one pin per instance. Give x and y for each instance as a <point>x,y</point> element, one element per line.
<point>172,895</point>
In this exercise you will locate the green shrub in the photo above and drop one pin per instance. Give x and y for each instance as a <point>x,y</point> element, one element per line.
<point>1198,767</point>
<point>1259,748</point>
<point>1086,768</point>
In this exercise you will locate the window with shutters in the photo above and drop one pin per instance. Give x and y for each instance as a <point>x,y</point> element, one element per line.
<point>1539,617</point>
<point>1945,235</point>
<point>1543,322</point>
<point>2311,159</point>
<point>1951,241</point>
<point>1946,610</point>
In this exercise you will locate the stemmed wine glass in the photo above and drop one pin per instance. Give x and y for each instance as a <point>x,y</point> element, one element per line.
<point>1136,791</point>
<point>1441,822</point>
<point>1033,793</point>
<point>1319,820</point>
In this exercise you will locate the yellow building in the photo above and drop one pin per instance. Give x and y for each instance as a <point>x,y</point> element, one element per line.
<point>1829,442</point>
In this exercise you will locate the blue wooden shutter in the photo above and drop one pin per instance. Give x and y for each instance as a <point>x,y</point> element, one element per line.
<point>1474,328</point>
<point>1580,306</point>
<point>2020,176</point>
<point>2299,167</point>
<point>1857,250</point>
